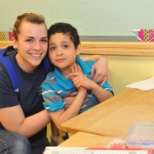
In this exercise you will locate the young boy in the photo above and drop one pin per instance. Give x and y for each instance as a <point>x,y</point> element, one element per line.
<point>71,74</point>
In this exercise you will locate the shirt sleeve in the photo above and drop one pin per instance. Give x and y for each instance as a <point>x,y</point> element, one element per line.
<point>52,100</point>
<point>107,87</point>
<point>7,96</point>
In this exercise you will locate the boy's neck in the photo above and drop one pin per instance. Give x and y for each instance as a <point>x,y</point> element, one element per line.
<point>66,72</point>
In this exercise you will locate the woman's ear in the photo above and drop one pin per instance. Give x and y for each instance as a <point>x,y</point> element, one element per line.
<point>14,43</point>
<point>78,50</point>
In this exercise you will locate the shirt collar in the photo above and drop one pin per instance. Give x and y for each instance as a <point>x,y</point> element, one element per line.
<point>64,82</point>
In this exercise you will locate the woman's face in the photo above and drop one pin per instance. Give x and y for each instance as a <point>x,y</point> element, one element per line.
<point>31,45</point>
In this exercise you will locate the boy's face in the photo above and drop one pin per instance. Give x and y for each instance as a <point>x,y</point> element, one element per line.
<point>62,52</point>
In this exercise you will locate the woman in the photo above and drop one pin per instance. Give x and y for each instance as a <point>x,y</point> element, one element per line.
<point>22,116</point>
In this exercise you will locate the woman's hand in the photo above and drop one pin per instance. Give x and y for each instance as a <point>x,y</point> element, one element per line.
<point>101,70</point>
<point>69,99</point>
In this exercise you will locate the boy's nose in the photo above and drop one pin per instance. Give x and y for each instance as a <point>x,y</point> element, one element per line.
<point>59,52</point>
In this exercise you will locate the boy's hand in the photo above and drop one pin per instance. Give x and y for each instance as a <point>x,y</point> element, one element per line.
<point>80,80</point>
<point>75,71</point>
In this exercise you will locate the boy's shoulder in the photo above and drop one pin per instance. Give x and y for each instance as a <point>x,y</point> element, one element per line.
<point>89,63</point>
<point>50,76</point>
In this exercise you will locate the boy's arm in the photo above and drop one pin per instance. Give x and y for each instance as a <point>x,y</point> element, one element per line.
<point>100,67</point>
<point>100,93</point>
<point>63,115</point>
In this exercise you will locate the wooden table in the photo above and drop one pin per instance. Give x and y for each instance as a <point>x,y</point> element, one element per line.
<point>114,116</point>
<point>82,139</point>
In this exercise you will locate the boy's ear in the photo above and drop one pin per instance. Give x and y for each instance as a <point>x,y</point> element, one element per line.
<point>78,50</point>
<point>14,43</point>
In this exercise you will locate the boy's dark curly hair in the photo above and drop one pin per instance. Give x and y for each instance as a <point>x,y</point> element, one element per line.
<point>67,29</point>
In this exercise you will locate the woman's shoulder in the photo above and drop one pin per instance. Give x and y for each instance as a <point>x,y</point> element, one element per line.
<point>4,77</point>
<point>2,70</point>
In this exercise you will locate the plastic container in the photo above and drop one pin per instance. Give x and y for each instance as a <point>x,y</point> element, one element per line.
<point>141,135</point>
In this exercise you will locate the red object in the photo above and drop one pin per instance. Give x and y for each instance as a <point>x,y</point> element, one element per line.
<point>10,34</point>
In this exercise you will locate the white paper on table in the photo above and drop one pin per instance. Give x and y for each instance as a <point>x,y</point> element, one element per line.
<point>79,150</point>
<point>147,84</point>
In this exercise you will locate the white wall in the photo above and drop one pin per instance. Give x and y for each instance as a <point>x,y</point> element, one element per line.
<point>95,18</point>
<point>90,17</point>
